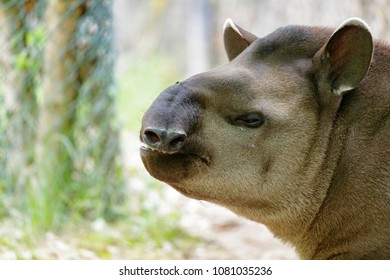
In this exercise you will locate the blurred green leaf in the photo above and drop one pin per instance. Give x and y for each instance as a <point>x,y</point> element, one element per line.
<point>36,38</point>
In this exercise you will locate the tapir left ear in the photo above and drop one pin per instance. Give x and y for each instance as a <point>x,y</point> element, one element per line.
<point>344,60</point>
<point>236,39</point>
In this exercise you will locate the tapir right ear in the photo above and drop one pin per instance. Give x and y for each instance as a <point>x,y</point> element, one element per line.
<point>344,60</point>
<point>236,39</point>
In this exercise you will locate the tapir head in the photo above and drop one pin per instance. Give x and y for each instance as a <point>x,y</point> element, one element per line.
<point>252,135</point>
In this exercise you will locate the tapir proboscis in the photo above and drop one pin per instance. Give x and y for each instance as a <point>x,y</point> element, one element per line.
<point>293,133</point>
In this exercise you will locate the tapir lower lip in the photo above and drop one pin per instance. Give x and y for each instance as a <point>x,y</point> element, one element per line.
<point>145,149</point>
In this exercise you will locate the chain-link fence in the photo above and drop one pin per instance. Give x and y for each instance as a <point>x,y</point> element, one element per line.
<point>59,146</point>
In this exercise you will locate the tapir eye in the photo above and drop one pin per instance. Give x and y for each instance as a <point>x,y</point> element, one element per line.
<point>253,119</point>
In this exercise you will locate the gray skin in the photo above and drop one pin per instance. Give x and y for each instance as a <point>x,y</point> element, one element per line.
<point>294,133</point>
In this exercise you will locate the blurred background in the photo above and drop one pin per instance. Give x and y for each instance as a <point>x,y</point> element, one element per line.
<point>76,77</point>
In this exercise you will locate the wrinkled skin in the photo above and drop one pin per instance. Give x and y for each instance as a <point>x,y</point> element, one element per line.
<point>293,133</point>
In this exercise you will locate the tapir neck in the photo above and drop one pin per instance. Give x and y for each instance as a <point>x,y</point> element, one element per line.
<point>342,225</point>
<point>320,171</point>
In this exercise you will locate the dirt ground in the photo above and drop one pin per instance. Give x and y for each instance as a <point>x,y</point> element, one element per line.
<point>224,234</point>
<point>227,236</point>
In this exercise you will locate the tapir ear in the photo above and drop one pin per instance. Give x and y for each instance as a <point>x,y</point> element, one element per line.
<point>236,39</point>
<point>344,60</point>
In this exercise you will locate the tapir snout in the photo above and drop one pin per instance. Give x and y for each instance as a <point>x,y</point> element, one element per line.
<point>163,130</point>
<point>169,120</point>
<point>294,133</point>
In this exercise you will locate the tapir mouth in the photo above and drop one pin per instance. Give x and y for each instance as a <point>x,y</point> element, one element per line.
<point>173,168</point>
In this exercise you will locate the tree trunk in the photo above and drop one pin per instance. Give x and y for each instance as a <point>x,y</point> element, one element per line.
<point>55,145</point>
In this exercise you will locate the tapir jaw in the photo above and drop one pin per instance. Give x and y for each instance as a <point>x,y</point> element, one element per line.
<point>177,170</point>
<point>174,168</point>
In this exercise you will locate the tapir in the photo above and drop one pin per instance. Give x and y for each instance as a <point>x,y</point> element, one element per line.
<point>293,132</point>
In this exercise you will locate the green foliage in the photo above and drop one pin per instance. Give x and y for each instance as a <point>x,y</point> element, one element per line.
<point>28,58</point>
<point>36,37</point>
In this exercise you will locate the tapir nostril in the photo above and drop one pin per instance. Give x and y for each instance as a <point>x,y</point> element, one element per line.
<point>151,138</point>
<point>163,140</point>
<point>176,140</point>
